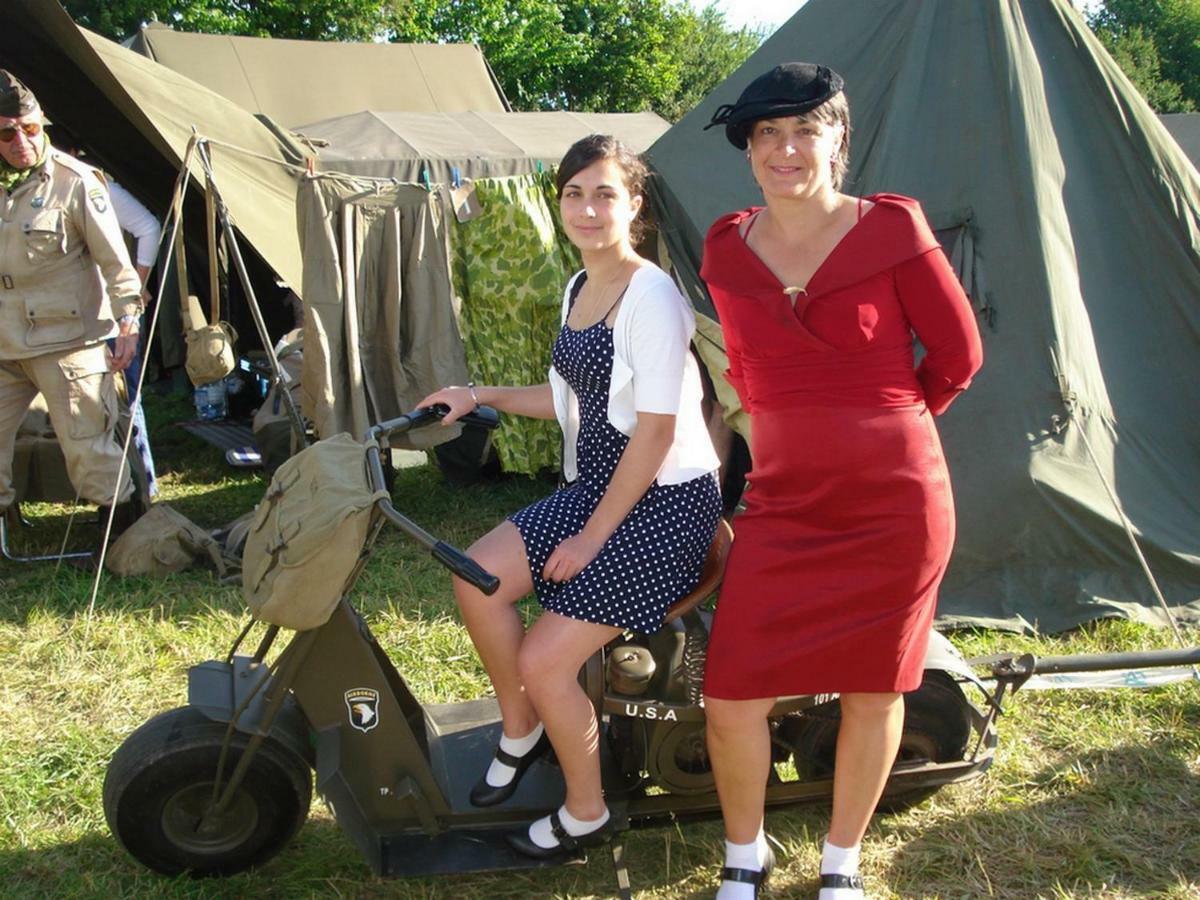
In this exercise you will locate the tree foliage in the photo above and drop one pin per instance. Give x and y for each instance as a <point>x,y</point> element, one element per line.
<point>340,20</point>
<point>594,55</point>
<point>1157,44</point>
<point>707,51</point>
<point>588,55</point>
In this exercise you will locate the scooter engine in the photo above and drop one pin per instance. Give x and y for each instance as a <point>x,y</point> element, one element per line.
<point>671,752</point>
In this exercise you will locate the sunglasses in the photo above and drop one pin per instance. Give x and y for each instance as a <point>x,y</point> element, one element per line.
<point>9,134</point>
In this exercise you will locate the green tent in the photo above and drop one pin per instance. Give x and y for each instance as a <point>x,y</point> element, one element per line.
<point>1072,218</point>
<point>136,118</point>
<point>303,81</point>
<point>136,115</point>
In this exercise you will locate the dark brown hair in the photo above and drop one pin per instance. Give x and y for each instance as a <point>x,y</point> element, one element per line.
<point>835,111</point>
<point>597,147</point>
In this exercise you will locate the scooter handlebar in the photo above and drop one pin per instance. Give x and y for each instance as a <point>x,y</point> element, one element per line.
<point>465,567</point>
<point>451,557</point>
<point>427,415</point>
<point>483,415</point>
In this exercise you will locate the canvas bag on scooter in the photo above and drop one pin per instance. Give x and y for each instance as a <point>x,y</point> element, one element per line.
<point>308,533</point>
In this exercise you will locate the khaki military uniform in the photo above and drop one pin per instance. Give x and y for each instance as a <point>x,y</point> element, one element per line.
<point>60,246</point>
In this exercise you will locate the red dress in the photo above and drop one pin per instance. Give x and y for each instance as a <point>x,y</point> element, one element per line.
<point>849,520</point>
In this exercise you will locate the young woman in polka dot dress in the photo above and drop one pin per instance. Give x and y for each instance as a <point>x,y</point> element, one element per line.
<point>628,535</point>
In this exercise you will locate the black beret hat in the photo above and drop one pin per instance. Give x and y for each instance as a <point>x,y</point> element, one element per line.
<point>16,100</point>
<point>790,89</point>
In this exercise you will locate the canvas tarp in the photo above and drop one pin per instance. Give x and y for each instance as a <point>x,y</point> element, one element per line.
<point>1075,218</point>
<point>379,322</point>
<point>404,145</point>
<point>302,81</point>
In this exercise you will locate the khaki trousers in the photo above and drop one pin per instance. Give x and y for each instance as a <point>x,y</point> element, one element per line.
<point>82,400</point>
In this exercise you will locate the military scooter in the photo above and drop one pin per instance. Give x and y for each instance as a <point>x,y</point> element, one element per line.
<point>222,784</point>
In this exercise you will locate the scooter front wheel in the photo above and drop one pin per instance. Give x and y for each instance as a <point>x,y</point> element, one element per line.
<point>158,797</point>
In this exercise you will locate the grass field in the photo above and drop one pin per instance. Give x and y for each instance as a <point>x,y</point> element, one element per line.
<point>1093,794</point>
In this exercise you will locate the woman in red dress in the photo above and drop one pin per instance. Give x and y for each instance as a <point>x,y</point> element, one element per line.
<point>849,520</point>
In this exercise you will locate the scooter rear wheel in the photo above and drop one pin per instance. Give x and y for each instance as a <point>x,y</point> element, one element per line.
<point>937,728</point>
<point>159,786</point>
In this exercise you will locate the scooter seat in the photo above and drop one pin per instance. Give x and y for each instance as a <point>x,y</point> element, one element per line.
<point>710,575</point>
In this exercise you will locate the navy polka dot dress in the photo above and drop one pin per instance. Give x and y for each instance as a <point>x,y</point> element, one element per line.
<point>655,555</point>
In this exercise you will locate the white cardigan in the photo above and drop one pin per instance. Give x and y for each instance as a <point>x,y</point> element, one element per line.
<point>653,371</point>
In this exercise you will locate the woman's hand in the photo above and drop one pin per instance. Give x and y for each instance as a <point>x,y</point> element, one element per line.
<point>570,557</point>
<point>458,399</point>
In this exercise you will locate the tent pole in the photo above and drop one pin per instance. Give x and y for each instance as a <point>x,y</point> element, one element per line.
<point>279,377</point>
<point>175,217</point>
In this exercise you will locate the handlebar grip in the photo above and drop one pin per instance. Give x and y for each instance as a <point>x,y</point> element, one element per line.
<point>417,418</point>
<point>481,415</point>
<point>484,415</point>
<point>465,567</point>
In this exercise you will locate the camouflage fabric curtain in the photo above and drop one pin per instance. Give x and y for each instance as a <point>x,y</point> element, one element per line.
<point>511,264</point>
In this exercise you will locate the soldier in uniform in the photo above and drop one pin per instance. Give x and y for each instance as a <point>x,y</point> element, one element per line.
<point>60,246</point>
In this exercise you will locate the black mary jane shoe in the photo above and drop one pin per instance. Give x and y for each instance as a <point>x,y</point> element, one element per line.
<point>756,877</point>
<point>568,845</point>
<point>483,794</point>
<point>849,882</point>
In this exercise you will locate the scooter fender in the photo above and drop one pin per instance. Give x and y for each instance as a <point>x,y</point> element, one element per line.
<point>943,656</point>
<point>220,689</point>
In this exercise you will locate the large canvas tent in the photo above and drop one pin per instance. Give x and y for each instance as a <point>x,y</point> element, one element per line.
<point>301,81</point>
<point>137,116</point>
<point>1073,219</point>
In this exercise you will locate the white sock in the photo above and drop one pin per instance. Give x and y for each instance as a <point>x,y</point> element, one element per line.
<point>837,860</point>
<point>743,856</point>
<point>540,833</point>
<point>499,774</point>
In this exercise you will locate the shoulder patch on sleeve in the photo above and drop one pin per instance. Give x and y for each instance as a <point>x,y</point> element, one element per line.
<point>98,196</point>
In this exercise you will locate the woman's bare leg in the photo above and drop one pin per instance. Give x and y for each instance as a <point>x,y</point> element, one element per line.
<point>739,747</point>
<point>867,742</point>
<point>549,662</point>
<point>495,625</point>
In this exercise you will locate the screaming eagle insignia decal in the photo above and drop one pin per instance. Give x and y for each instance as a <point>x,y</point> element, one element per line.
<point>363,706</point>
<point>99,198</point>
